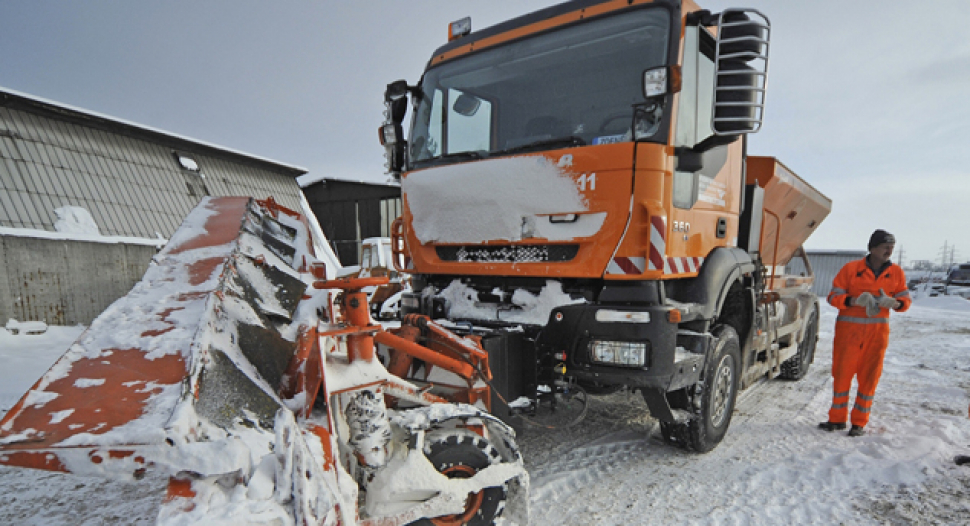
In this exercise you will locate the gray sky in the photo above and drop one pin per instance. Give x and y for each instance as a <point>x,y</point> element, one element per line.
<point>866,100</point>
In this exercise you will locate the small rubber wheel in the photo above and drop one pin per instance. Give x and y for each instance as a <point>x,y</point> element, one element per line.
<point>459,453</point>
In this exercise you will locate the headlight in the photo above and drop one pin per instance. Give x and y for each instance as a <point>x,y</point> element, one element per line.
<point>619,353</point>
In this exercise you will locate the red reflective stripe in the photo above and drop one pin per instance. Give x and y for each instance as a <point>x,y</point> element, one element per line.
<point>626,265</point>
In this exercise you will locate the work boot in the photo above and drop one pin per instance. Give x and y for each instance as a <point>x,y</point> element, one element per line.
<point>832,426</point>
<point>857,431</point>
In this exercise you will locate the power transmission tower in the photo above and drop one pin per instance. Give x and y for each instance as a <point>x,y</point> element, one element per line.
<point>902,254</point>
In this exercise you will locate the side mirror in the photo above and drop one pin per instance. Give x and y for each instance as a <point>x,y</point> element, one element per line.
<point>391,133</point>
<point>741,71</point>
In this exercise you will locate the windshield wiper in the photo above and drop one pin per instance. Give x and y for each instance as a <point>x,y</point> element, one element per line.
<point>555,142</point>
<point>471,154</point>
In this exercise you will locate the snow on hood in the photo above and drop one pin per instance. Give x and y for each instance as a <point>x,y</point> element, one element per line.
<point>495,199</point>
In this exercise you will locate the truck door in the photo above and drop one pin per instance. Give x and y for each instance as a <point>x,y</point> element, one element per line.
<point>705,201</point>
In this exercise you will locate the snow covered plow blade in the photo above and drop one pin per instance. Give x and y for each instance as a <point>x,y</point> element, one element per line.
<point>229,369</point>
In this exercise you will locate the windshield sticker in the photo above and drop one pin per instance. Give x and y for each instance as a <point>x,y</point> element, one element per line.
<point>609,139</point>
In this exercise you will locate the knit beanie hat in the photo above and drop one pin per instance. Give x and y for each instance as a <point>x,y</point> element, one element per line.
<point>879,237</point>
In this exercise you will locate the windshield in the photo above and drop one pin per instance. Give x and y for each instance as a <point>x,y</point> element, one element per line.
<point>569,87</point>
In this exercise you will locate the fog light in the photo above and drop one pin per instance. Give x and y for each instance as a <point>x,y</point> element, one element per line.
<point>618,316</point>
<point>618,353</point>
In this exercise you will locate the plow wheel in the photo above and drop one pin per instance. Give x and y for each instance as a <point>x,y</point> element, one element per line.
<point>458,453</point>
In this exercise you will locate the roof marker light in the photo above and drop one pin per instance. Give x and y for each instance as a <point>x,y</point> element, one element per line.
<point>459,28</point>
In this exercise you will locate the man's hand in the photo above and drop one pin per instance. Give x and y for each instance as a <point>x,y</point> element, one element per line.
<point>868,301</point>
<point>886,302</point>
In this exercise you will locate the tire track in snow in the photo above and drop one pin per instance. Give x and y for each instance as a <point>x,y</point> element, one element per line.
<point>663,475</point>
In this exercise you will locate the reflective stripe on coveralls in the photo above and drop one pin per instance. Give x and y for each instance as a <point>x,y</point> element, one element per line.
<point>860,340</point>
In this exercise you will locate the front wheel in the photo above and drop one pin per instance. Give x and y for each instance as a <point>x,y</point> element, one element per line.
<point>714,396</point>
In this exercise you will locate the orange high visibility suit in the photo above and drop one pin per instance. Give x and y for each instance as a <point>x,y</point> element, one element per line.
<point>860,340</point>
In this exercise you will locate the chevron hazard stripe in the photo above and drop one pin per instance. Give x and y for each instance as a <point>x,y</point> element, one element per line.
<point>624,265</point>
<point>682,265</point>
<point>658,244</point>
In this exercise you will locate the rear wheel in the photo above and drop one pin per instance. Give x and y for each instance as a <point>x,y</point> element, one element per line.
<point>796,367</point>
<point>460,454</point>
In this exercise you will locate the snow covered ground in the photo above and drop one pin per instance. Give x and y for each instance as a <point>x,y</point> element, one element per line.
<point>774,466</point>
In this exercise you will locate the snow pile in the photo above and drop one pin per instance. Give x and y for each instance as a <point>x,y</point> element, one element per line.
<point>494,199</point>
<point>25,327</point>
<point>75,220</point>
<point>26,357</point>
<point>941,302</point>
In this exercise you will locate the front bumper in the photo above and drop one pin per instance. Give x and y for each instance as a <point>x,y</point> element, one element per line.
<point>671,364</point>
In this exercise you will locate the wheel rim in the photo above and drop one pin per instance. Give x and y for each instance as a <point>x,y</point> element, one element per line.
<point>472,504</point>
<point>721,396</point>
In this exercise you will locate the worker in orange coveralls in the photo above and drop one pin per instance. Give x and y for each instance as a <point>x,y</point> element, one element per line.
<point>864,291</point>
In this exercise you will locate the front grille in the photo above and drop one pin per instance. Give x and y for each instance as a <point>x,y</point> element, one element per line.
<point>508,253</point>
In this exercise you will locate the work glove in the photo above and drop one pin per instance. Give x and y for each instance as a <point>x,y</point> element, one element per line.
<point>867,300</point>
<point>884,301</point>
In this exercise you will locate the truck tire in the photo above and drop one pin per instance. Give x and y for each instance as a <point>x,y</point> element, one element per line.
<point>459,453</point>
<point>718,391</point>
<point>796,367</point>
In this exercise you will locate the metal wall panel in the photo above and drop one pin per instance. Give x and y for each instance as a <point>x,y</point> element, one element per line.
<point>825,265</point>
<point>130,185</point>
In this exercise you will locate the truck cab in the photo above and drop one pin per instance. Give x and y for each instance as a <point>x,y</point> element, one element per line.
<point>577,177</point>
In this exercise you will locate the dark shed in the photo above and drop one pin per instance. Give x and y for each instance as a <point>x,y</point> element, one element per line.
<point>349,211</point>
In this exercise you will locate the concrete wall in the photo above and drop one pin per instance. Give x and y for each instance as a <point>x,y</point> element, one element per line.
<point>65,282</point>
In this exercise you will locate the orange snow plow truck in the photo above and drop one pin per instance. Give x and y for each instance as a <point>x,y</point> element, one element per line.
<point>577,192</point>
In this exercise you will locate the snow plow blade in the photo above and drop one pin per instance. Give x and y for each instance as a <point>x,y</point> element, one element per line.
<point>197,336</point>
<point>259,387</point>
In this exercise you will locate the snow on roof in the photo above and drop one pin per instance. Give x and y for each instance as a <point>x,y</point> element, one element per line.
<point>130,124</point>
<point>81,236</point>
<point>306,180</point>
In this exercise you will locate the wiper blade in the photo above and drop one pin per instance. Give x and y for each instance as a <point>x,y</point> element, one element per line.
<point>471,154</point>
<point>556,142</point>
<point>431,161</point>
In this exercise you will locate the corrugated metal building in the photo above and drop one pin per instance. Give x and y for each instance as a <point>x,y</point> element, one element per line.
<point>825,265</point>
<point>350,211</point>
<point>135,182</point>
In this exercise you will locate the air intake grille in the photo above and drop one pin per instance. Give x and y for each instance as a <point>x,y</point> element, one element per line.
<point>508,253</point>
